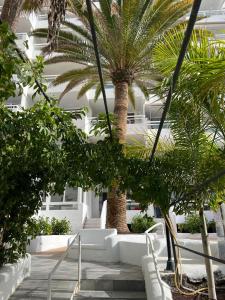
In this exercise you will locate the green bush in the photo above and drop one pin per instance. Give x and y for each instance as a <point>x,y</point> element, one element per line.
<point>45,226</point>
<point>193,224</point>
<point>60,226</point>
<point>141,223</point>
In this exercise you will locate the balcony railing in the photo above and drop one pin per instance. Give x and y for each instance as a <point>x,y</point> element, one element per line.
<point>209,13</point>
<point>153,123</point>
<point>14,107</point>
<point>22,36</point>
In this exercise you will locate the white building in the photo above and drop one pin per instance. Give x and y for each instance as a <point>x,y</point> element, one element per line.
<point>76,204</point>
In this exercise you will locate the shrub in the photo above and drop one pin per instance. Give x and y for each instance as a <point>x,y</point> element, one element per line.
<point>193,224</point>
<point>60,226</point>
<point>141,223</point>
<point>45,226</point>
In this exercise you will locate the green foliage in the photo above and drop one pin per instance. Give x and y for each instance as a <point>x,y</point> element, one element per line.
<point>100,127</point>
<point>141,223</point>
<point>33,161</point>
<point>193,224</point>
<point>9,63</point>
<point>60,226</point>
<point>201,80</point>
<point>14,73</point>
<point>45,226</point>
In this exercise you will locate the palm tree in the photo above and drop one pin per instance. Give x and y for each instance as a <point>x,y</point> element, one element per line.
<point>127,31</point>
<point>199,95</point>
<point>202,75</point>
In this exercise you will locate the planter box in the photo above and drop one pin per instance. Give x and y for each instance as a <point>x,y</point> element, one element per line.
<point>11,275</point>
<point>48,242</point>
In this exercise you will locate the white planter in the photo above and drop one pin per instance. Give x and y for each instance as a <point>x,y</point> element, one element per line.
<point>48,242</point>
<point>11,275</point>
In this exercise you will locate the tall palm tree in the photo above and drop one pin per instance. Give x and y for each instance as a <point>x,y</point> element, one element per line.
<point>127,31</point>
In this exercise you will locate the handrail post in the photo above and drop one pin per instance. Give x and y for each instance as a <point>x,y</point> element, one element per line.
<point>79,262</point>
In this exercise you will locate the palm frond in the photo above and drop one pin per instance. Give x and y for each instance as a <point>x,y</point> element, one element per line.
<point>98,91</point>
<point>86,87</point>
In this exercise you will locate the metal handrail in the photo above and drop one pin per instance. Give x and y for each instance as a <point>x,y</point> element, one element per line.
<point>77,286</point>
<point>149,244</point>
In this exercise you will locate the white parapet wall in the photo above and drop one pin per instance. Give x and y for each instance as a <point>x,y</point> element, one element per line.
<point>11,275</point>
<point>74,216</point>
<point>99,245</point>
<point>155,289</point>
<point>48,242</point>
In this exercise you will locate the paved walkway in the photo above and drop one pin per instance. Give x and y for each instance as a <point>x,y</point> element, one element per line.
<point>99,280</point>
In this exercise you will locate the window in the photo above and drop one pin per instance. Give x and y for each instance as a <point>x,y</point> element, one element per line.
<point>67,201</point>
<point>71,194</point>
<point>57,198</point>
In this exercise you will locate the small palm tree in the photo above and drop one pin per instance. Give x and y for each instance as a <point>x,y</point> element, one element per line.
<point>202,75</point>
<point>127,31</point>
<point>198,105</point>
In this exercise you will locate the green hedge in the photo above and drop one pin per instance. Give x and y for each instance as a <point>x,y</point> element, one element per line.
<point>141,223</point>
<point>45,226</point>
<point>193,225</point>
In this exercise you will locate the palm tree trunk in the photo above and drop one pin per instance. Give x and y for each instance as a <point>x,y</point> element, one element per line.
<point>116,210</point>
<point>117,202</point>
<point>208,262</point>
<point>10,12</point>
<point>121,108</point>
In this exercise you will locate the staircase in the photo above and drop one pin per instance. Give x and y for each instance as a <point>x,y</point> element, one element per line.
<point>111,281</point>
<point>100,281</point>
<point>92,223</point>
<point>105,295</point>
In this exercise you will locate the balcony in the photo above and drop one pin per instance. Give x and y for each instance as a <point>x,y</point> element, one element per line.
<point>14,107</point>
<point>209,13</point>
<point>154,124</point>
<point>136,124</point>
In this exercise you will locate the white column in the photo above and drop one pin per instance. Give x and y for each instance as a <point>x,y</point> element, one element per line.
<point>79,195</point>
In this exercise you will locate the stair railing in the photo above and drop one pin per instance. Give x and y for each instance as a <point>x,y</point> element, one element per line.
<point>151,251</point>
<point>77,285</point>
<point>103,215</point>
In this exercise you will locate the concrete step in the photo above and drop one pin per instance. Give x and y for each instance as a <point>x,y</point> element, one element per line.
<point>113,285</point>
<point>92,223</point>
<point>114,279</point>
<point>111,277</point>
<point>104,295</point>
<point>37,289</point>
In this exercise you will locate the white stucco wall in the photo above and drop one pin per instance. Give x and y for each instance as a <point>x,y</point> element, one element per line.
<point>76,217</point>
<point>11,275</point>
<point>48,242</point>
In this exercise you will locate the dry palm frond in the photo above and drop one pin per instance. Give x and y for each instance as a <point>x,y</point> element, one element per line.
<point>56,15</point>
